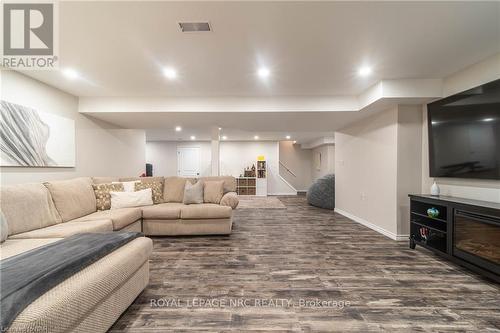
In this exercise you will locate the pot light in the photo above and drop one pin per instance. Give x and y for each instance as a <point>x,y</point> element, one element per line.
<point>294,141</point>
<point>488,119</point>
<point>224,137</point>
<point>263,72</point>
<point>365,71</point>
<point>170,73</point>
<point>288,137</point>
<point>256,137</point>
<point>71,74</point>
<point>193,137</point>
<point>178,128</point>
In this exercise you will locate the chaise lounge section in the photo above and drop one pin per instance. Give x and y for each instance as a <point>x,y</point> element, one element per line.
<point>90,300</point>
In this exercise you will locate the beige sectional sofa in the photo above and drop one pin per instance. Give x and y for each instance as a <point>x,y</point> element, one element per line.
<point>35,219</point>
<point>172,217</point>
<point>40,214</point>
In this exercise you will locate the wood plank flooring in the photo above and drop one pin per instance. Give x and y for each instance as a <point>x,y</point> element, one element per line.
<point>300,254</point>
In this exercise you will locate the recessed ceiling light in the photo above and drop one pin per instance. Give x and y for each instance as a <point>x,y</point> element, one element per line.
<point>488,119</point>
<point>178,128</point>
<point>170,73</point>
<point>224,137</point>
<point>71,74</point>
<point>256,137</point>
<point>263,72</point>
<point>365,71</point>
<point>288,137</point>
<point>220,128</point>
<point>294,141</point>
<point>193,137</point>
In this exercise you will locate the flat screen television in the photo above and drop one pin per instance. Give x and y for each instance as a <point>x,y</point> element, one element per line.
<point>464,134</point>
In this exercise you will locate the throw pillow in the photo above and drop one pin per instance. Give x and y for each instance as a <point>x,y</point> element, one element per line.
<point>103,196</point>
<point>213,192</point>
<point>131,199</point>
<point>4,228</point>
<point>174,189</point>
<point>128,186</point>
<point>193,193</point>
<point>156,188</point>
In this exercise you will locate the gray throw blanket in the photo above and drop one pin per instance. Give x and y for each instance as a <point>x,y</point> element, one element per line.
<point>27,276</point>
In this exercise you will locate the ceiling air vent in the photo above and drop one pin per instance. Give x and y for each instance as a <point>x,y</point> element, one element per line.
<point>195,26</point>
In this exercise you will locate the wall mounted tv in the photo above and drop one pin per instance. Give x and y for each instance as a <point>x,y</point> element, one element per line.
<point>464,134</point>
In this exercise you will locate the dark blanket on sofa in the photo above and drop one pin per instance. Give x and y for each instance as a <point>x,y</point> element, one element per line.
<point>27,276</point>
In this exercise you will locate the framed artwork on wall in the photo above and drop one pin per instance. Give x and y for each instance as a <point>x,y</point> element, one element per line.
<point>32,138</point>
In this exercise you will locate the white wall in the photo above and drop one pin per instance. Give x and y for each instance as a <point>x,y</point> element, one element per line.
<point>101,148</point>
<point>366,171</point>
<point>298,161</point>
<point>235,156</point>
<point>163,156</point>
<point>327,165</point>
<point>378,163</point>
<point>488,190</point>
<point>409,175</point>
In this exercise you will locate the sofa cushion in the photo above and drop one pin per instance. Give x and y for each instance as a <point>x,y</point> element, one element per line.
<point>12,247</point>
<point>193,193</point>
<point>213,191</point>
<point>27,207</point>
<point>66,229</point>
<point>173,189</point>
<point>229,182</point>
<point>156,188</point>
<point>73,198</point>
<point>102,195</point>
<point>120,217</point>
<point>205,211</point>
<point>164,211</point>
<point>230,199</point>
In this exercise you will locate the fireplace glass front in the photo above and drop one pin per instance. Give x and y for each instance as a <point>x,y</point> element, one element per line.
<point>476,238</point>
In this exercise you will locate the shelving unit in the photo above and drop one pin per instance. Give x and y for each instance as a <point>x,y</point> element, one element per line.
<point>428,231</point>
<point>246,186</point>
<point>261,189</point>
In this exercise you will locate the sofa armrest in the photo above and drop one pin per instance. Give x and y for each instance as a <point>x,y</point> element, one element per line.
<point>230,199</point>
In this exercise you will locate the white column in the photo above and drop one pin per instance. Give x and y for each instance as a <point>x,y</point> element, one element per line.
<point>215,151</point>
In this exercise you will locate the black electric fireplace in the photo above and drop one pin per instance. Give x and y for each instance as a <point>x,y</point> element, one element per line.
<point>476,239</point>
<point>462,230</point>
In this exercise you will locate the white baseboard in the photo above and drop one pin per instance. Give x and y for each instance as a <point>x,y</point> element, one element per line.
<point>372,226</point>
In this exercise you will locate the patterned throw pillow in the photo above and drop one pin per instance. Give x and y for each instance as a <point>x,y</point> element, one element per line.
<point>102,195</point>
<point>156,187</point>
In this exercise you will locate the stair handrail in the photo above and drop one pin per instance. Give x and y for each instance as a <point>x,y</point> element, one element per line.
<point>287,169</point>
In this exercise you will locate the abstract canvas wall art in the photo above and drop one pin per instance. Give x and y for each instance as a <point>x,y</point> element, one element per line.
<point>31,138</point>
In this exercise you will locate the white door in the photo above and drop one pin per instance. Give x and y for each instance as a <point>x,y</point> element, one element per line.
<point>188,161</point>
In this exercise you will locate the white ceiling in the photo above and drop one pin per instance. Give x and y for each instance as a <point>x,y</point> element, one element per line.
<point>312,48</point>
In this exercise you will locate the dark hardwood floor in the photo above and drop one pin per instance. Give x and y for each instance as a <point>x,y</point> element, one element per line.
<point>303,253</point>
